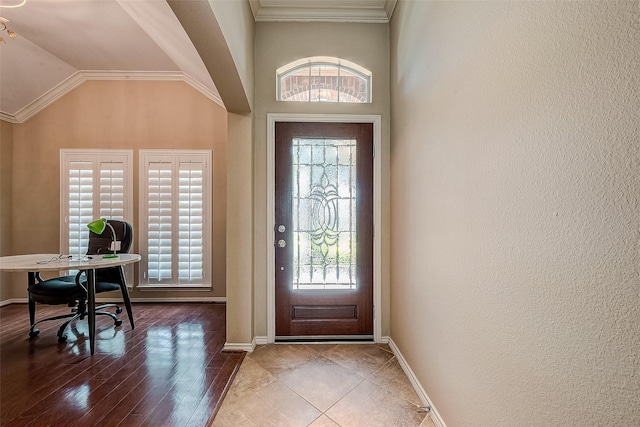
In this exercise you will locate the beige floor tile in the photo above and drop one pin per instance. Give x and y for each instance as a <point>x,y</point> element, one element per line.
<point>392,377</point>
<point>321,382</point>
<point>364,359</point>
<point>323,421</point>
<point>385,347</point>
<point>427,423</point>
<point>292,385</point>
<point>320,348</point>
<point>272,405</point>
<point>370,405</point>
<point>278,359</point>
<point>250,378</point>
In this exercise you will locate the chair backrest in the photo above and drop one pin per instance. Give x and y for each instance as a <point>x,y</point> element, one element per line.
<point>100,244</point>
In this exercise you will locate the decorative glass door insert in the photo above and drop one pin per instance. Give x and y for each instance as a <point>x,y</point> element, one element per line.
<point>324,213</point>
<point>323,229</point>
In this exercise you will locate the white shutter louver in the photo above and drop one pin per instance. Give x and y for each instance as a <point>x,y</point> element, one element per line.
<point>159,231</point>
<point>190,221</point>
<point>80,213</point>
<point>112,195</point>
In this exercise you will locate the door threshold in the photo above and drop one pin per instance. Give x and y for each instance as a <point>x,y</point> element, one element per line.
<point>325,339</point>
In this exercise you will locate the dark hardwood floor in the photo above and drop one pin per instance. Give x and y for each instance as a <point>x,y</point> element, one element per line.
<point>168,371</point>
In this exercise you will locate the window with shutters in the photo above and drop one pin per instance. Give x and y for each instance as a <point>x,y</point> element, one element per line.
<point>94,184</point>
<point>175,218</point>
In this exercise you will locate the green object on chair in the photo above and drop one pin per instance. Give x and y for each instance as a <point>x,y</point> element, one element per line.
<point>97,226</point>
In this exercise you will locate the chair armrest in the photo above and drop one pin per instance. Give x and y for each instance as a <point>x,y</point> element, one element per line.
<point>79,282</point>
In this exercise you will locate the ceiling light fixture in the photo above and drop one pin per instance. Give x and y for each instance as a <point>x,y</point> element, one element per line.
<point>4,21</point>
<point>9,6</point>
<point>3,27</point>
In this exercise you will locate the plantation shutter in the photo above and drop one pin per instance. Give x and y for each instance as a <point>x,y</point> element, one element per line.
<point>190,221</point>
<point>80,206</point>
<point>159,217</point>
<point>94,184</point>
<point>111,191</point>
<point>176,210</point>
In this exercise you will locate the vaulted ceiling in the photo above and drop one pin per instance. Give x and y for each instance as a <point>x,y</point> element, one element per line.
<point>62,43</point>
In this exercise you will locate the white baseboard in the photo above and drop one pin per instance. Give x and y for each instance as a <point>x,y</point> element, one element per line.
<point>435,416</point>
<point>261,340</point>
<point>248,347</point>
<point>176,299</point>
<point>13,301</point>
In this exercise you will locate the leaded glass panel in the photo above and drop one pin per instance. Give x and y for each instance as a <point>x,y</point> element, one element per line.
<point>324,213</point>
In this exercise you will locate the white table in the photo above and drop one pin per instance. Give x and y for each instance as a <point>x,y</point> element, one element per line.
<point>35,263</point>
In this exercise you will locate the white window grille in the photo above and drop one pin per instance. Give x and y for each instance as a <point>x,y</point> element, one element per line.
<point>175,212</point>
<point>323,79</point>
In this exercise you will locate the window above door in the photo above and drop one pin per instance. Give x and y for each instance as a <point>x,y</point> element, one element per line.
<point>323,79</point>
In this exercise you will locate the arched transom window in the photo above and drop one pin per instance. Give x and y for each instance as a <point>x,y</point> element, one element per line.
<point>323,79</point>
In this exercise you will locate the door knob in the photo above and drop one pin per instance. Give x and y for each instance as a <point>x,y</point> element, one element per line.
<point>282,243</point>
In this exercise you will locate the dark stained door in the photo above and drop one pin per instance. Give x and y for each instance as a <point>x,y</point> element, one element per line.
<point>324,230</point>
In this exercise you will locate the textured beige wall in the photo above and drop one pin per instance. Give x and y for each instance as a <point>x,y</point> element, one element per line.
<point>6,170</point>
<point>240,231</point>
<point>120,115</point>
<point>278,44</point>
<point>515,209</point>
<point>236,23</point>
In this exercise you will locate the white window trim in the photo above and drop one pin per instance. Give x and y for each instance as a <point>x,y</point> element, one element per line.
<point>143,221</point>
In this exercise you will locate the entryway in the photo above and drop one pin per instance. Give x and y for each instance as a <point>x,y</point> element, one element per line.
<point>321,196</point>
<point>324,230</point>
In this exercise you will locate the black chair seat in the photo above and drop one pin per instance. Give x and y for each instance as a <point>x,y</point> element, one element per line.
<point>53,290</point>
<point>65,287</point>
<point>106,287</point>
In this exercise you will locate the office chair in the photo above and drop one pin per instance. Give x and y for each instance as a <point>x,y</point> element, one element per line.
<point>71,290</point>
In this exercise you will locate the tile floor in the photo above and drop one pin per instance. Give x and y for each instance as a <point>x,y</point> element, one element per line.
<point>321,385</point>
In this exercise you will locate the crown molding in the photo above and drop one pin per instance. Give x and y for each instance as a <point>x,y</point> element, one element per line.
<point>371,14</point>
<point>80,77</point>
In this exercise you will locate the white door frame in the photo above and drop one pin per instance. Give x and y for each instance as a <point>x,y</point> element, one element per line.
<point>376,120</point>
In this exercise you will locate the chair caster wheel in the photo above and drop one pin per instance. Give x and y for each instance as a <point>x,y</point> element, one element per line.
<point>34,333</point>
<point>118,310</point>
<point>62,339</point>
<point>118,322</point>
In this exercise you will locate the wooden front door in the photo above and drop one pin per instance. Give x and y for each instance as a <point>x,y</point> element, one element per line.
<point>324,230</point>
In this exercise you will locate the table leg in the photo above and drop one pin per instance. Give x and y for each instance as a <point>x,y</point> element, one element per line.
<point>32,307</point>
<point>91,307</point>
<point>32,303</point>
